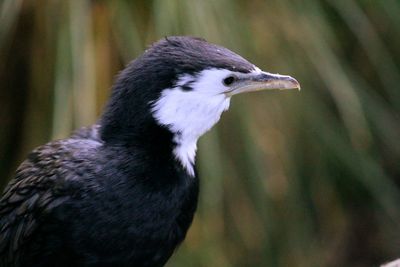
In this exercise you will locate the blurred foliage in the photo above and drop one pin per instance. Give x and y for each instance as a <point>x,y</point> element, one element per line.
<point>288,179</point>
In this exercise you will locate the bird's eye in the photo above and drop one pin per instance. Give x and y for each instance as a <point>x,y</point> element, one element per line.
<point>229,80</point>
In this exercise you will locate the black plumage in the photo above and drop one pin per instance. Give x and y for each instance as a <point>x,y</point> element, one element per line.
<point>112,194</point>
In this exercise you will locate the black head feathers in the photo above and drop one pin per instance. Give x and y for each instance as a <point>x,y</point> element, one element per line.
<point>158,68</point>
<point>190,54</point>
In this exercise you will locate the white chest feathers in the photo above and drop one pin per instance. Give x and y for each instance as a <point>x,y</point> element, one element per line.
<point>190,109</point>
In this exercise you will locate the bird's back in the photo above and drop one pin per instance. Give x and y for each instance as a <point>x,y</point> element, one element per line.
<point>78,202</point>
<point>46,180</point>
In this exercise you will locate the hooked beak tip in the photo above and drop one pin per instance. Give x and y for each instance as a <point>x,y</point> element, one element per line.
<point>296,84</point>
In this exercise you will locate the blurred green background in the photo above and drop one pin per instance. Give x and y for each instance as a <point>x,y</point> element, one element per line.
<point>308,178</point>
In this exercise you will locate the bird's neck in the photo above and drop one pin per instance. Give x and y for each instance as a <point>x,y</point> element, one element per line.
<point>185,152</point>
<point>128,121</point>
<point>144,135</point>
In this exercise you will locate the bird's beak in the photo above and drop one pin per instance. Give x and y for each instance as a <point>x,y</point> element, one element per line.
<point>263,81</point>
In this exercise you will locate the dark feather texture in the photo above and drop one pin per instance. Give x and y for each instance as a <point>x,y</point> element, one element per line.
<point>112,194</point>
<point>79,202</point>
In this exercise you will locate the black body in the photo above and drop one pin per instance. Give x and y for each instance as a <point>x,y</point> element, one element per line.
<point>112,194</point>
<point>80,202</point>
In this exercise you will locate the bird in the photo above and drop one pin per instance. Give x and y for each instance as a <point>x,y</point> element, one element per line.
<point>124,191</point>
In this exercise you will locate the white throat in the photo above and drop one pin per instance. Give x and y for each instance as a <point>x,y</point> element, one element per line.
<point>185,152</point>
<point>188,114</point>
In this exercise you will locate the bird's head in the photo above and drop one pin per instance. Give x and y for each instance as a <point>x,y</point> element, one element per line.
<point>183,84</point>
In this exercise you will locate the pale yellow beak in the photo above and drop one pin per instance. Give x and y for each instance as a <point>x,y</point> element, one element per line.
<point>263,81</point>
